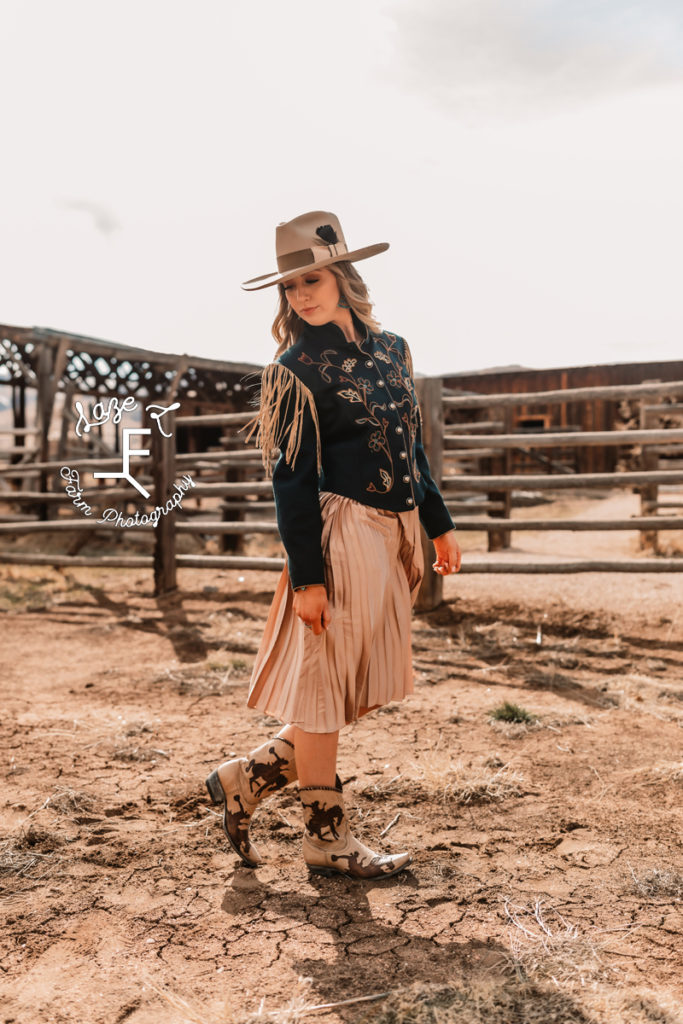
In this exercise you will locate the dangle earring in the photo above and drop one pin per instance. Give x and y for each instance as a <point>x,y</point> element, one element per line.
<point>342,304</point>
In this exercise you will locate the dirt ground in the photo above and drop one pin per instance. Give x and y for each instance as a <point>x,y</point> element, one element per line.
<point>547,880</point>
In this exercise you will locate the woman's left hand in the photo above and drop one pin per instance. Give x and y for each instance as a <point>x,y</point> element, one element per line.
<point>448,554</point>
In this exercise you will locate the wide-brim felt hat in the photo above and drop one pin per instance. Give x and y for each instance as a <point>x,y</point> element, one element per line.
<point>310,242</point>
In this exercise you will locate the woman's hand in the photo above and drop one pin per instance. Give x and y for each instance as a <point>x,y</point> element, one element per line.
<point>312,607</point>
<point>448,554</point>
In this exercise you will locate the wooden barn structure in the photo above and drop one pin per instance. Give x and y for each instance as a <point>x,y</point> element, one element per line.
<point>575,415</point>
<point>42,364</point>
<point>46,376</point>
<point>44,372</point>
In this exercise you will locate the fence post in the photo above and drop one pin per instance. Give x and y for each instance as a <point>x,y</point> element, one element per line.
<point>649,493</point>
<point>18,417</point>
<point>43,416</point>
<point>163,451</point>
<point>430,397</point>
<point>501,465</point>
<point>234,542</point>
<point>62,447</point>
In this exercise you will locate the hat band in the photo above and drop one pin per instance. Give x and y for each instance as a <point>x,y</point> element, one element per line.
<point>309,257</point>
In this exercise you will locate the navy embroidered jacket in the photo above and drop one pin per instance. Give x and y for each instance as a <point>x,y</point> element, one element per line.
<point>346,419</point>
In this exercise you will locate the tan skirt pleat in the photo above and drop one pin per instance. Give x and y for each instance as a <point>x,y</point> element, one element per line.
<point>373,568</point>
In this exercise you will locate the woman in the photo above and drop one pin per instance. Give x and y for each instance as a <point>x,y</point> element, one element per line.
<point>351,485</point>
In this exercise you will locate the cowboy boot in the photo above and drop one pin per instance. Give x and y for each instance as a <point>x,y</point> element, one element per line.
<point>329,848</point>
<point>240,785</point>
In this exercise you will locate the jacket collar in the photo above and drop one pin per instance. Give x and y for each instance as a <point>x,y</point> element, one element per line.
<point>332,334</point>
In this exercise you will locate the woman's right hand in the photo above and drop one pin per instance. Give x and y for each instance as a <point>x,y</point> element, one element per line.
<point>312,607</point>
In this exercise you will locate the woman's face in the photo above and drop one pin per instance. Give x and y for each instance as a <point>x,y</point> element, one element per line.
<point>314,296</point>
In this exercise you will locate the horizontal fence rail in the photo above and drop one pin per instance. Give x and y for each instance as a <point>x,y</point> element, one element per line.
<point>468,525</point>
<point>570,481</point>
<point>230,486</point>
<point>469,567</point>
<point>570,439</point>
<point>562,396</point>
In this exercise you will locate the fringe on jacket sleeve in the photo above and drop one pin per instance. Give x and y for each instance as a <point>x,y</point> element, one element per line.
<point>282,406</point>
<point>409,363</point>
<point>408,358</point>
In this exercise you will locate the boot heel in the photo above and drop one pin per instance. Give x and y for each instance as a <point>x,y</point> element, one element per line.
<point>215,789</point>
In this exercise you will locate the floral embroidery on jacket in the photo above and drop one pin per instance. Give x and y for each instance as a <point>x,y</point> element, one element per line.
<point>361,390</point>
<point>350,395</point>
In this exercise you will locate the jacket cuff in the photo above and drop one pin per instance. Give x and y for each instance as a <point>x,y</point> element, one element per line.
<point>303,571</point>
<point>434,515</point>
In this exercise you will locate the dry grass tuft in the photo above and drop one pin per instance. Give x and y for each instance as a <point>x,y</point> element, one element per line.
<point>645,694</point>
<point>31,847</point>
<point>294,1011</point>
<point>445,1004</point>
<point>665,771</point>
<point>648,1008</point>
<point>132,752</point>
<point>659,884</point>
<point>453,783</point>
<point>187,1013</point>
<point>480,1002</point>
<point>138,728</point>
<point>207,680</point>
<point>546,947</point>
<point>70,801</point>
<point>513,730</point>
<point>671,772</point>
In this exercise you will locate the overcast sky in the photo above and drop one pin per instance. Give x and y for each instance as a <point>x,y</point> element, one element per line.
<point>523,158</point>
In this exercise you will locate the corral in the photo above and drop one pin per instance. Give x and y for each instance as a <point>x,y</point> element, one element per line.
<point>479,445</point>
<point>535,773</point>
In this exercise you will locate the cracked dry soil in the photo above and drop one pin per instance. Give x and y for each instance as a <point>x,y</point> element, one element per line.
<point>117,881</point>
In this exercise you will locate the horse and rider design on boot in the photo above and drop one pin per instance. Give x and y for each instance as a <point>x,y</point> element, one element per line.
<point>271,774</point>
<point>322,818</point>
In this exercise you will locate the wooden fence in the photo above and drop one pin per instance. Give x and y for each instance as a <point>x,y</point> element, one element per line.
<point>232,475</point>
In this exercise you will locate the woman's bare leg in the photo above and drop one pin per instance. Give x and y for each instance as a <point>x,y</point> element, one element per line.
<point>316,752</point>
<point>316,757</point>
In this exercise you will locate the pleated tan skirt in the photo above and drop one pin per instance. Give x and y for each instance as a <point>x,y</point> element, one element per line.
<point>373,569</point>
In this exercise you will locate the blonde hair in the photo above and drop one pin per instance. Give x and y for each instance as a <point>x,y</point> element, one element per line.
<point>352,289</point>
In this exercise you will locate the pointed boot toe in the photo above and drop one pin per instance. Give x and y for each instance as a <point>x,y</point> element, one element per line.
<point>329,847</point>
<point>363,863</point>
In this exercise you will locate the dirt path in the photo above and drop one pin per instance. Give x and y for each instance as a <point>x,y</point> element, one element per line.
<point>117,881</point>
